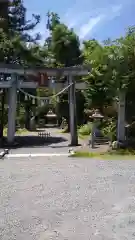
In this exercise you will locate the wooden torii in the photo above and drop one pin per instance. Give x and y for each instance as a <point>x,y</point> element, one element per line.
<point>14,83</point>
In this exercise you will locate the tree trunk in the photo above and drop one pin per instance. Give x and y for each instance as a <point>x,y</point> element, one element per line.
<point>121,117</point>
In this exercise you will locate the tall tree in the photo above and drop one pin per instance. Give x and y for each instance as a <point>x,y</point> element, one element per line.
<point>18,32</point>
<point>63,42</point>
<point>14,42</point>
<point>99,91</point>
<point>18,24</point>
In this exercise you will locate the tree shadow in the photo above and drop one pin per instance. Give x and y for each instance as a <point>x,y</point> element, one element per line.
<point>37,130</point>
<point>34,141</point>
<point>64,146</point>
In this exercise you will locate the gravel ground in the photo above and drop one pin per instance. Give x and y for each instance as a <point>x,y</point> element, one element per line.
<point>65,198</point>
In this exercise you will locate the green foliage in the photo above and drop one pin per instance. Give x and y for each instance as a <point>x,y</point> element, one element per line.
<point>19,51</point>
<point>85,130</point>
<point>63,42</point>
<point>14,43</point>
<point>109,130</point>
<point>14,46</point>
<point>99,91</point>
<point>44,92</point>
<point>18,24</point>
<point>112,68</point>
<point>65,45</point>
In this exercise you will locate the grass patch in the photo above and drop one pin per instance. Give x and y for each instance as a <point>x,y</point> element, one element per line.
<point>85,154</point>
<point>83,132</point>
<point>5,132</point>
<point>122,152</point>
<point>117,154</point>
<point>19,131</point>
<point>22,131</point>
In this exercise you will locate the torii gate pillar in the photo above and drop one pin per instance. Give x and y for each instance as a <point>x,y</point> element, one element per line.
<point>12,104</point>
<point>72,112</point>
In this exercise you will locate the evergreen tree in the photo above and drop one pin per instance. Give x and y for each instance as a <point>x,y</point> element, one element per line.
<point>18,24</point>
<point>63,42</point>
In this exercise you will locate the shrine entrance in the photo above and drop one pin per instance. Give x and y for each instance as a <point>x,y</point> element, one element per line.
<point>14,84</point>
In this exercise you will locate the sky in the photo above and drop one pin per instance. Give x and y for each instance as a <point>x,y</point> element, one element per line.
<point>89,18</point>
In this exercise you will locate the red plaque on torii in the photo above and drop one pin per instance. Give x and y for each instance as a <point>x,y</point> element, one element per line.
<point>43,80</point>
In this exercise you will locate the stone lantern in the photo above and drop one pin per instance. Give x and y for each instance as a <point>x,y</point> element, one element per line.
<point>51,117</point>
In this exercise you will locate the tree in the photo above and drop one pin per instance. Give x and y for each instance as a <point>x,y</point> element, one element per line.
<point>112,73</point>
<point>64,48</point>
<point>18,34</point>
<point>14,42</point>
<point>63,42</point>
<point>100,90</point>
<point>18,24</point>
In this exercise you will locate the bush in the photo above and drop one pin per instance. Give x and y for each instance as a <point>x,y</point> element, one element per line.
<point>110,130</point>
<point>85,129</point>
<point>21,120</point>
<point>131,130</point>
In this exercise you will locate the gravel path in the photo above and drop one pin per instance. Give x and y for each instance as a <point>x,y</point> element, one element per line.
<point>65,198</point>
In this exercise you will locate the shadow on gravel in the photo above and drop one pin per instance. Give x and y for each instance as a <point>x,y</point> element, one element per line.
<point>34,141</point>
<point>63,146</point>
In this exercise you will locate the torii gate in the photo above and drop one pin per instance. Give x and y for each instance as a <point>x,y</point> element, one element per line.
<point>14,83</point>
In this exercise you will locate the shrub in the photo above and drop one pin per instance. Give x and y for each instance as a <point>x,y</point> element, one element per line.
<point>85,129</point>
<point>110,130</point>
